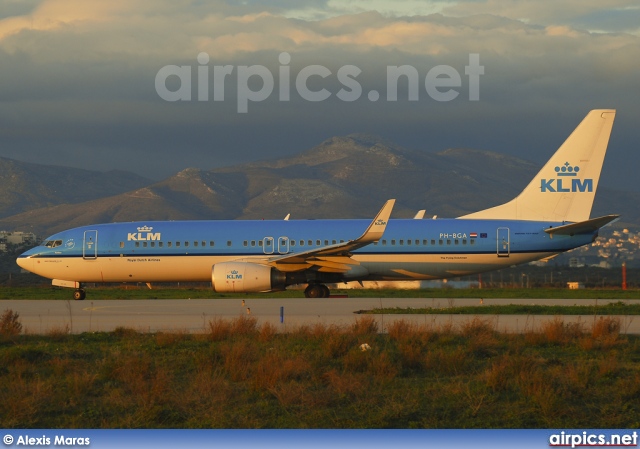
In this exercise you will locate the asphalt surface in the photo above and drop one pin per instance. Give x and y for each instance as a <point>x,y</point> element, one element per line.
<point>184,315</point>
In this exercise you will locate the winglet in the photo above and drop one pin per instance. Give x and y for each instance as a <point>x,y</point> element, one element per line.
<point>420,214</point>
<point>304,259</point>
<point>378,225</point>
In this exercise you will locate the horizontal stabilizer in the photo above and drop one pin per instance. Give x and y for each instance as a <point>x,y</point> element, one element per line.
<point>583,227</point>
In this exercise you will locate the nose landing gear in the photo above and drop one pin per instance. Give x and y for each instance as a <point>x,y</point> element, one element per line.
<point>79,294</point>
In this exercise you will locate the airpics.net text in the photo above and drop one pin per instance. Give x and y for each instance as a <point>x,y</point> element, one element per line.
<point>256,83</point>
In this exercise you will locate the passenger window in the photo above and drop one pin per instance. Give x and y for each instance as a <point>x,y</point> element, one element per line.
<point>293,243</point>
<point>333,242</point>
<point>464,241</point>
<point>160,244</point>
<point>177,244</point>
<point>212,243</point>
<point>425,242</point>
<point>121,244</point>
<point>301,242</point>
<point>326,242</point>
<point>401,242</point>
<point>473,242</point>
<point>153,244</point>
<point>259,242</point>
<point>448,242</point>
<point>384,242</point>
<point>144,244</point>
<point>393,241</point>
<point>195,243</point>
<point>169,244</point>
<point>137,244</point>
<point>455,241</point>
<point>310,242</point>
<point>317,242</point>
<point>439,242</point>
<point>228,242</point>
<point>253,243</point>
<point>245,243</point>
<point>186,244</point>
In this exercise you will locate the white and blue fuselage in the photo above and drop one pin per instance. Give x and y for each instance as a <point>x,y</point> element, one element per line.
<point>186,250</point>
<point>550,216</point>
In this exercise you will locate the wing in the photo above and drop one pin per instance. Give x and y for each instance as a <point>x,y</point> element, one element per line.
<point>335,258</point>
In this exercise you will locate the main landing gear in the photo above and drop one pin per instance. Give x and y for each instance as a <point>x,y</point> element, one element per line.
<point>316,291</point>
<point>79,294</point>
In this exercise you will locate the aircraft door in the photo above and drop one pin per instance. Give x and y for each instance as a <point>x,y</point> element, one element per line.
<point>267,245</point>
<point>283,245</point>
<point>503,242</point>
<point>90,245</point>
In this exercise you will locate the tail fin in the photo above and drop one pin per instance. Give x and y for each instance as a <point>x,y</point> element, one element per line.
<point>565,187</point>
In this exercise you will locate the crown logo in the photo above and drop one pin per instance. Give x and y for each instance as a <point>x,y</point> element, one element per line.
<point>567,170</point>
<point>144,229</point>
<point>234,271</point>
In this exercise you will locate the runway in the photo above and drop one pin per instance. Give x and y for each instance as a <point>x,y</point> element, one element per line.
<point>183,315</point>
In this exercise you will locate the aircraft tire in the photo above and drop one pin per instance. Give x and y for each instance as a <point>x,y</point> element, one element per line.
<point>315,291</point>
<point>79,295</point>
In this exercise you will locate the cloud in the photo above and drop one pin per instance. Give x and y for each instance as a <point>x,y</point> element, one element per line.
<point>78,76</point>
<point>576,13</point>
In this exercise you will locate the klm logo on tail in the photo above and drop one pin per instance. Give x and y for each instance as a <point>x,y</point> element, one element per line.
<point>567,181</point>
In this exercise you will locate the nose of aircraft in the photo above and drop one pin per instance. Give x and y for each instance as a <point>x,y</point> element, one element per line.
<point>25,262</point>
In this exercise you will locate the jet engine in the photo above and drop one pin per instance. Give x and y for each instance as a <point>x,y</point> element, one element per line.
<point>245,277</point>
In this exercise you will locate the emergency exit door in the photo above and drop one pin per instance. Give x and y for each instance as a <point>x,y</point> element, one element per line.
<point>503,242</point>
<point>90,245</point>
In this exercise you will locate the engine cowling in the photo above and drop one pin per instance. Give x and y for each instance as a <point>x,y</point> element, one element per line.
<point>246,277</point>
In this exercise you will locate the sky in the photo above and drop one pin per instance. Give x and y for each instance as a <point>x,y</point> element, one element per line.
<point>156,86</point>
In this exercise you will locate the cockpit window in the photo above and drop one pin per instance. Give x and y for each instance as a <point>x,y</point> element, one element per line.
<point>52,243</point>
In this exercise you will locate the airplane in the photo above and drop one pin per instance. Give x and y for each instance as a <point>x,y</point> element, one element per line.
<point>550,216</point>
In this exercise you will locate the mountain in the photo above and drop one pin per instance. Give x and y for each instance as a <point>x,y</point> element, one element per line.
<point>343,177</point>
<point>25,186</point>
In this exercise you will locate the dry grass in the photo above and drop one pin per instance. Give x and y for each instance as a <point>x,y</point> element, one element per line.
<point>171,338</point>
<point>244,375</point>
<point>365,325</point>
<point>10,325</point>
<point>556,332</point>
<point>59,333</point>
<point>220,329</point>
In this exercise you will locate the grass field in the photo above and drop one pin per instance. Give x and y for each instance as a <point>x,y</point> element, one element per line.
<point>241,375</point>
<point>614,308</point>
<point>134,292</point>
